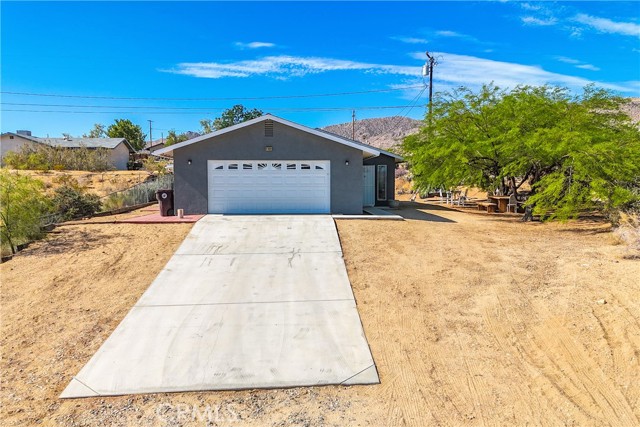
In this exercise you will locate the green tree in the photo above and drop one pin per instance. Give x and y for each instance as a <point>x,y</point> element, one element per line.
<point>232,116</point>
<point>578,152</point>
<point>124,128</point>
<point>174,138</point>
<point>22,206</point>
<point>98,131</point>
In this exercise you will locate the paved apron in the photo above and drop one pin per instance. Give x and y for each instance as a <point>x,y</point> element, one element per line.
<point>245,302</point>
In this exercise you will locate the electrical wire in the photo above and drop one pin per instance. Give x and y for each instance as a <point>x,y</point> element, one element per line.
<point>197,108</point>
<point>209,111</point>
<point>239,98</point>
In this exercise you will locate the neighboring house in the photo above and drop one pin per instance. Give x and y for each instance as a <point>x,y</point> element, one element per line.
<point>10,141</point>
<point>272,165</point>
<point>119,147</point>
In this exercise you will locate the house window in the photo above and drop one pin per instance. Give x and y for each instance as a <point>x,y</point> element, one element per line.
<point>381,182</point>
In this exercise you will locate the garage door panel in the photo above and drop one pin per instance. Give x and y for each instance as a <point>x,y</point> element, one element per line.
<point>260,186</point>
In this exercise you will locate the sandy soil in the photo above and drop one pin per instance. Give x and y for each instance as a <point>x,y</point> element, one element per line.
<point>472,320</point>
<point>100,183</point>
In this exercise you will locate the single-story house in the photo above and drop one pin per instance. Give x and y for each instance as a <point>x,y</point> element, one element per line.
<point>119,148</point>
<point>272,165</point>
<point>10,141</point>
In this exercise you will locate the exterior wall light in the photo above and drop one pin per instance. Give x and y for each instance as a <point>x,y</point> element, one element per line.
<point>268,148</point>
<point>189,161</point>
<point>346,162</point>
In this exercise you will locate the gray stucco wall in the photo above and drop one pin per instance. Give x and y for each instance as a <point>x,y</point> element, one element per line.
<point>120,156</point>
<point>249,143</point>
<point>383,159</point>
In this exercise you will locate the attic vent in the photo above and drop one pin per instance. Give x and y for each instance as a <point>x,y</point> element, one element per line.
<point>268,128</point>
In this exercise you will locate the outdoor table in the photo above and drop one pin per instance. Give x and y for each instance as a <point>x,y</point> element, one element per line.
<point>502,202</point>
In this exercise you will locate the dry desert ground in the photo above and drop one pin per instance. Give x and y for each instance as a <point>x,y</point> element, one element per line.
<point>472,319</point>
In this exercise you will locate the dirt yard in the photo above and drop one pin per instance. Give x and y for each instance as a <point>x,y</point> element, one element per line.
<point>472,320</point>
<point>100,183</point>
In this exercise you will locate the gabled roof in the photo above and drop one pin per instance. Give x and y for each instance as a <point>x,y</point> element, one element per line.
<point>27,137</point>
<point>368,150</point>
<point>85,142</point>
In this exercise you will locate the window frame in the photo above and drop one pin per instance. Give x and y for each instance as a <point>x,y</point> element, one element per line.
<point>381,172</point>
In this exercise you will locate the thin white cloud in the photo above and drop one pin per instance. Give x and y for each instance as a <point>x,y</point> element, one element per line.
<point>411,40</point>
<point>529,6</point>
<point>447,33</point>
<point>462,70</point>
<point>578,64</point>
<point>285,66</point>
<point>567,60</point>
<point>543,22</point>
<point>453,70</point>
<point>588,67</point>
<point>608,26</point>
<point>254,45</point>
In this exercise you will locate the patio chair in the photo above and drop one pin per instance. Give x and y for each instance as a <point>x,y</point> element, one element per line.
<point>462,197</point>
<point>441,195</point>
<point>513,203</point>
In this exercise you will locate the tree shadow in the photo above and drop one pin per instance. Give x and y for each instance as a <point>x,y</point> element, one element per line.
<point>416,211</point>
<point>64,240</point>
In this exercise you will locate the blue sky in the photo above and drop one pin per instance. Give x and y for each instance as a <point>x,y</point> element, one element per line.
<point>165,50</point>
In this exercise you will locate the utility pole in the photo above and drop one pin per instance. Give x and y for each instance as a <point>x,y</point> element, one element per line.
<point>427,70</point>
<point>353,125</point>
<point>150,135</point>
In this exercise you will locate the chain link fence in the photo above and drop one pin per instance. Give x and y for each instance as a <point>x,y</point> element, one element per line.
<point>136,195</point>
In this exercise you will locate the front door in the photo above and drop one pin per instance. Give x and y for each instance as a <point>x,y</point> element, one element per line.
<point>369,175</point>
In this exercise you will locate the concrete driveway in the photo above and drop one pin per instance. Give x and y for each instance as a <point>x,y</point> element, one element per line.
<point>246,302</point>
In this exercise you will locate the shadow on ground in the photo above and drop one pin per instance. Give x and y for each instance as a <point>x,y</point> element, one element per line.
<point>417,211</point>
<point>69,239</point>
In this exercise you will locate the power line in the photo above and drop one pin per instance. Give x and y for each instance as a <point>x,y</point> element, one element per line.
<point>239,98</point>
<point>211,111</point>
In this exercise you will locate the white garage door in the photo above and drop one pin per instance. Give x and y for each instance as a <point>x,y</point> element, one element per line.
<point>273,186</point>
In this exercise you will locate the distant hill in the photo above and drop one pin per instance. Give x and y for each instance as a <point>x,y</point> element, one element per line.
<point>383,132</point>
<point>633,109</point>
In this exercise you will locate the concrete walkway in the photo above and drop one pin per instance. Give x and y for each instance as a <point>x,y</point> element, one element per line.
<point>246,302</point>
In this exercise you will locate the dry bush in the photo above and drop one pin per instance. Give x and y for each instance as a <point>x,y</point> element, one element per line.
<point>628,233</point>
<point>44,157</point>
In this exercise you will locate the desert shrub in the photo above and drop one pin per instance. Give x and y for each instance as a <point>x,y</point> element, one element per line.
<point>22,207</point>
<point>44,157</point>
<point>155,165</point>
<point>628,232</point>
<point>138,194</point>
<point>113,201</point>
<point>71,201</point>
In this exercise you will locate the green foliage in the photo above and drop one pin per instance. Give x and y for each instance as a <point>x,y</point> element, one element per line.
<point>72,201</point>
<point>124,128</point>
<point>577,152</point>
<point>22,206</point>
<point>174,138</point>
<point>45,157</point>
<point>98,131</point>
<point>233,116</point>
<point>155,165</point>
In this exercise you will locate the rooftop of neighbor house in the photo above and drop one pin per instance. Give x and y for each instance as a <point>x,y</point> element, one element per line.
<point>72,142</point>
